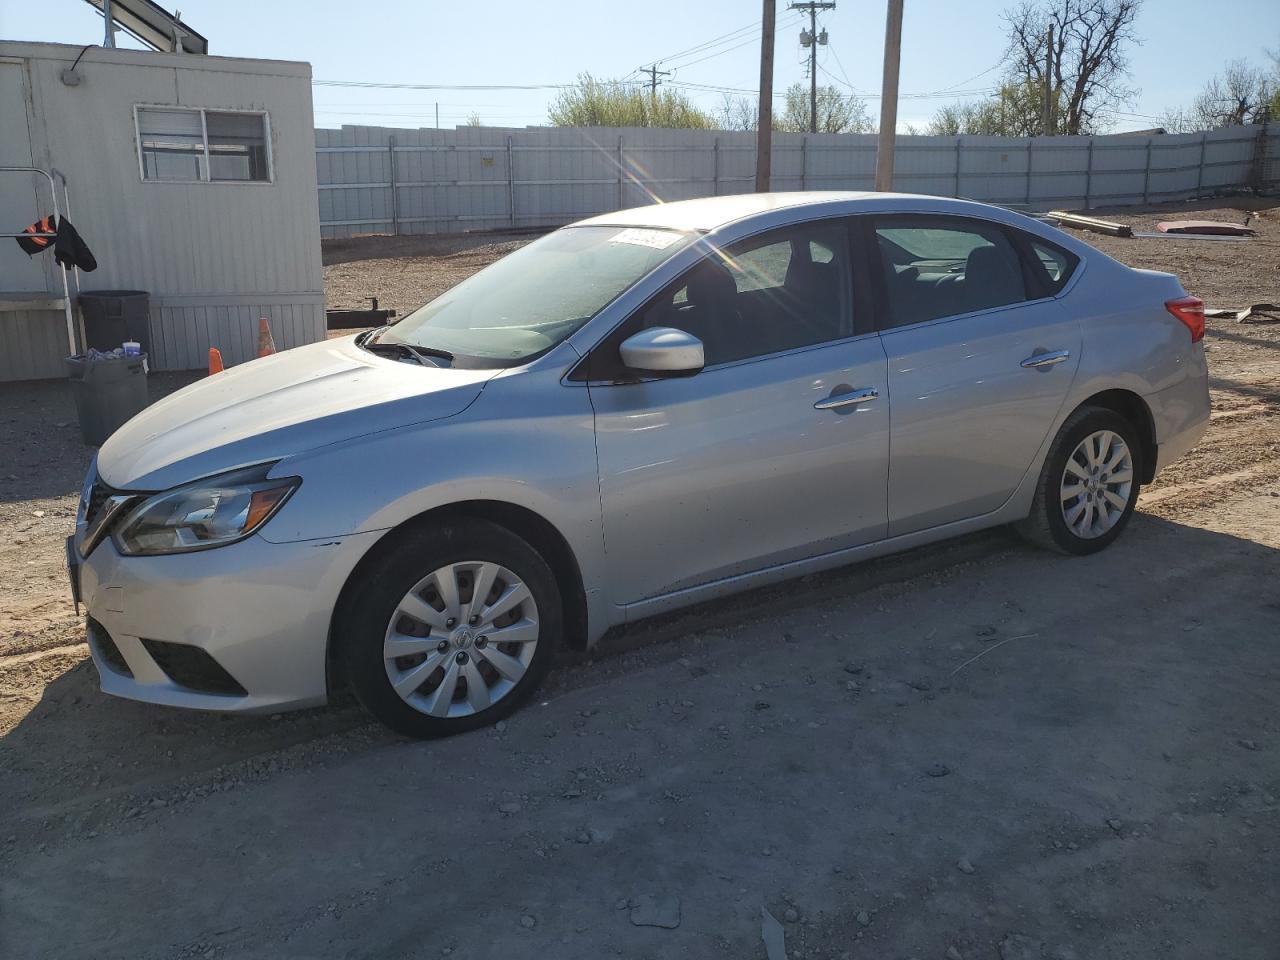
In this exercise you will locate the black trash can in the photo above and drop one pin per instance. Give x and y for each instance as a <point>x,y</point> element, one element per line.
<point>113,316</point>
<point>108,392</point>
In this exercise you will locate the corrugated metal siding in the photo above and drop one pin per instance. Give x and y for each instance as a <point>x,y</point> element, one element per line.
<point>478,178</point>
<point>32,344</point>
<point>224,250</point>
<point>182,333</point>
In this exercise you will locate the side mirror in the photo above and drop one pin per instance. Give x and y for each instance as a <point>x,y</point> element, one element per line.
<point>663,351</point>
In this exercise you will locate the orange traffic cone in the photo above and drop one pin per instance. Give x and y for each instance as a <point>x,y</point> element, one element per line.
<point>266,345</point>
<point>215,361</point>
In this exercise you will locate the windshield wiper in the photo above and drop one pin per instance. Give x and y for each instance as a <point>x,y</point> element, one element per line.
<point>401,350</point>
<point>429,351</point>
<point>396,351</point>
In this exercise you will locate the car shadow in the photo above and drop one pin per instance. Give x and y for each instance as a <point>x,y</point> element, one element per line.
<point>45,456</point>
<point>1262,392</point>
<point>1218,332</point>
<point>124,749</point>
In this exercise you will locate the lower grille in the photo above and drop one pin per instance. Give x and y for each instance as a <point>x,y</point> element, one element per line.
<point>193,668</point>
<point>106,648</point>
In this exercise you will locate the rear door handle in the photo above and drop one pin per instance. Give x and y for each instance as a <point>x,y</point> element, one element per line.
<point>839,400</point>
<point>1039,361</point>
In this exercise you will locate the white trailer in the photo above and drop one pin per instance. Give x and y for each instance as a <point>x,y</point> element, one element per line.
<point>190,177</point>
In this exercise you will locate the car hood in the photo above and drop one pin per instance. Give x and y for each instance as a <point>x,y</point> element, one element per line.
<point>277,406</point>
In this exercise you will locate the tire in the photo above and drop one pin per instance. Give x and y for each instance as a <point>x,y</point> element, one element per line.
<point>403,602</point>
<point>1048,525</point>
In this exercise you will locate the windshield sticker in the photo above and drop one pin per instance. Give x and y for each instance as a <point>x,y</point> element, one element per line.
<point>658,239</point>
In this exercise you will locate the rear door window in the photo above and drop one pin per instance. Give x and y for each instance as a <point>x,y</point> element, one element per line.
<point>945,266</point>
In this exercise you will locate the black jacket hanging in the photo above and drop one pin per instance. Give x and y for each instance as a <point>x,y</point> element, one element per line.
<point>69,250</point>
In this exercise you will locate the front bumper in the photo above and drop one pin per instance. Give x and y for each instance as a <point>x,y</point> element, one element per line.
<point>260,610</point>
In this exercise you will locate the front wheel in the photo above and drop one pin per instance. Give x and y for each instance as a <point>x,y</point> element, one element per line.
<point>450,629</point>
<point>1089,484</point>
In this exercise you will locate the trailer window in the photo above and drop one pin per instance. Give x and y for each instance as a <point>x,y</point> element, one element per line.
<point>188,145</point>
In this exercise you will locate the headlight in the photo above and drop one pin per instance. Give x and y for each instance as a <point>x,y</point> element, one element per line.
<point>204,514</point>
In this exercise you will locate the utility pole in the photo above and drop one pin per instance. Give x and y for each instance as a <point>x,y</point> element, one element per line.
<point>764,114</point>
<point>812,39</point>
<point>1046,111</point>
<point>889,97</point>
<point>654,73</point>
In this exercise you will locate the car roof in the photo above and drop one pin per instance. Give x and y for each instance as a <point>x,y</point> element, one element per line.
<point>710,214</point>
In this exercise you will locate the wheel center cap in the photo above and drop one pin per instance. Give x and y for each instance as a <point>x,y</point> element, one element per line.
<point>463,637</point>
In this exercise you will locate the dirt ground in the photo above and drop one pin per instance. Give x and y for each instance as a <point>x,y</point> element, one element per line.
<point>976,750</point>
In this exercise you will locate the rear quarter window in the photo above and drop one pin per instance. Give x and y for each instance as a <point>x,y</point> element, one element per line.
<point>1052,265</point>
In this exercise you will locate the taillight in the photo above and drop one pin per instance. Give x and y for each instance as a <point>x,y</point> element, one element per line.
<point>1190,310</point>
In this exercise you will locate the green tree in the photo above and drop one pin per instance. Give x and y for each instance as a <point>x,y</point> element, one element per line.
<point>611,103</point>
<point>837,113</point>
<point>1015,110</point>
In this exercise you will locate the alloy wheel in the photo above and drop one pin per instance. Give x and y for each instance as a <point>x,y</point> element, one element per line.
<point>461,639</point>
<point>1097,483</point>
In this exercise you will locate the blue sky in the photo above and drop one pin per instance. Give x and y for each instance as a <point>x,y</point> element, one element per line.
<point>948,45</point>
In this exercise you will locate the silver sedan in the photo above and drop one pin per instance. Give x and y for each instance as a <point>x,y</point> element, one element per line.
<point>634,413</point>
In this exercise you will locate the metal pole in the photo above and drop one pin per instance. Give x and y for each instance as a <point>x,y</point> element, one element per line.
<point>1146,174</point>
<point>109,37</point>
<point>395,200</point>
<point>1200,173</point>
<point>813,69</point>
<point>764,115</point>
<point>437,114</point>
<point>511,184</point>
<point>804,162</point>
<point>57,213</point>
<point>715,168</point>
<point>1046,109</point>
<point>1030,153</point>
<point>959,141</point>
<point>620,162</point>
<point>889,96</point>
<point>1088,176</point>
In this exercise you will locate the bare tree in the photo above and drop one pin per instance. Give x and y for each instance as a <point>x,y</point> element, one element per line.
<point>837,113</point>
<point>1086,69</point>
<point>737,113</point>
<point>1242,93</point>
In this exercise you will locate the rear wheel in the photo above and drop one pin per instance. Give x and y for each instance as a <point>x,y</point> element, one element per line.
<point>450,629</point>
<point>1089,484</point>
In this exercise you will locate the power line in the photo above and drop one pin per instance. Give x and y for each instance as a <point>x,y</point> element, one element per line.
<point>708,43</point>
<point>716,88</point>
<point>374,85</point>
<point>735,40</point>
<point>750,41</point>
<point>844,73</point>
<point>995,66</point>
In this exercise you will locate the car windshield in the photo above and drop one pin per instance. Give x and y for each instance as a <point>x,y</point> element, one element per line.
<point>532,299</point>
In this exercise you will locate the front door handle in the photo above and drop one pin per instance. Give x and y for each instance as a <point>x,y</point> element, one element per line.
<point>836,401</point>
<point>1041,361</point>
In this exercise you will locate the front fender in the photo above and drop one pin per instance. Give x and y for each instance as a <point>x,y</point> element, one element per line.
<point>528,440</point>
